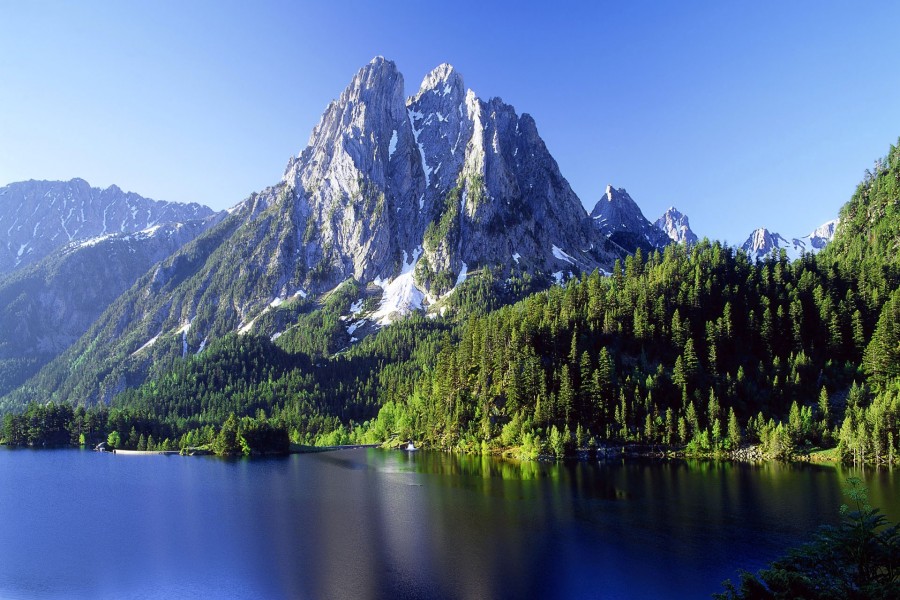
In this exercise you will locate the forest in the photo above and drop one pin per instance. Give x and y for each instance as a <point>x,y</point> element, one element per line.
<point>691,349</point>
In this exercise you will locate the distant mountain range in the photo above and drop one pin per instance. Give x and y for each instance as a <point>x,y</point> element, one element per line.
<point>38,217</point>
<point>618,217</point>
<point>763,242</point>
<point>48,305</point>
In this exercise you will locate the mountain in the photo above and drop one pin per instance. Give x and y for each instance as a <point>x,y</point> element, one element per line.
<point>38,217</point>
<point>430,188</point>
<point>762,242</point>
<point>48,305</point>
<point>617,217</point>
<point>405,197</point>
<point>676,226</point>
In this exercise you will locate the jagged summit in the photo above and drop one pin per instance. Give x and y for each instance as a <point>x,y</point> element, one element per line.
<point>408,197</point>
<point>762,242</point>
<point>442,161</point>
<point>442,80</point>
<point>676,226</point>
<point>821,235</point>
<point>619,218</point>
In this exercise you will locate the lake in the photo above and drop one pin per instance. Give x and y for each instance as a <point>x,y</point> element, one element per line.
<point>369,523</point>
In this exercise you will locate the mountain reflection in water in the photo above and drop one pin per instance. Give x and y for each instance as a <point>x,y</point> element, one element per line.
<point>368,523</point>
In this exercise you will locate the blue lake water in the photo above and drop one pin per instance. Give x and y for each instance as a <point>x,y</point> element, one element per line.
<point>368,523</point>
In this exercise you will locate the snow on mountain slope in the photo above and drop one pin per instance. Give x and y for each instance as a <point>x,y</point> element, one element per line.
<point>38,217</point>
<point>763,242</point>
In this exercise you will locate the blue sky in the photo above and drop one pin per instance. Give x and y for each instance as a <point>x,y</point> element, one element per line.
<point>740,114</point>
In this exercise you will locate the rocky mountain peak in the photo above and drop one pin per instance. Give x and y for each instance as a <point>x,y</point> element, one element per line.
<point>676,226</point>
<point>610,190</point>
<point>762,242</point>
<point>619,218</point>
<point>374,94</point>
<point>408,197</point>
<point>442,81</point>
<point>823,234</point>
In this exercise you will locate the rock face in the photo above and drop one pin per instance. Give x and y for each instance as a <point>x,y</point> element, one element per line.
<point>619,218</point>
<point>762,242</point>
<point>676,227</point>
<point>38,217</point>
<point>48,305</point>
<point>435,185</point>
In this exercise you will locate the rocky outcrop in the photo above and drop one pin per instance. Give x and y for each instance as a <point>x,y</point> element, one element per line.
<point>676,227</point>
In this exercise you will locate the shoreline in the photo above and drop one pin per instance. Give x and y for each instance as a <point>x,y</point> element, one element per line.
<point>747,454</point>
<point>144,452</point>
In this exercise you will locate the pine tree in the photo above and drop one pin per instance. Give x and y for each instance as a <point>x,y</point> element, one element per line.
<point>734,429</point>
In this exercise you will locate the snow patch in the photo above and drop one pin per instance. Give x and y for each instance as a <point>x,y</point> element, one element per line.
<point>202,345</point>
<point>516,257</point>
<point>357,306</point>
<point>149,343</point>
<point>463,273</point>
<point>146,233</point>
<point>246,328</point>
<point>393,146</point>
<point>354,326</point>
<point>184,331</point>
<point>401,296</point>
<point>558,253</point>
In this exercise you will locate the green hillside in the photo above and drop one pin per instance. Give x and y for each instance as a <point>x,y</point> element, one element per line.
<point>691,348</point>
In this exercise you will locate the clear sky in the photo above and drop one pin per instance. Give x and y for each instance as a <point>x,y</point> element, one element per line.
<point>741,114</point>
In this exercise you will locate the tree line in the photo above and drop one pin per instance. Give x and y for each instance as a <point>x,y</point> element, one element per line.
<point>692,348</point>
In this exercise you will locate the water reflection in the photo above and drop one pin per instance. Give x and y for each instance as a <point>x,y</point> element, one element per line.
<point>368,523</point>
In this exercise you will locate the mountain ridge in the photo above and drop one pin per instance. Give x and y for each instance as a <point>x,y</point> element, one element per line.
<point>40,216</point>
<point>47,305</point>
<point>763,242</point>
